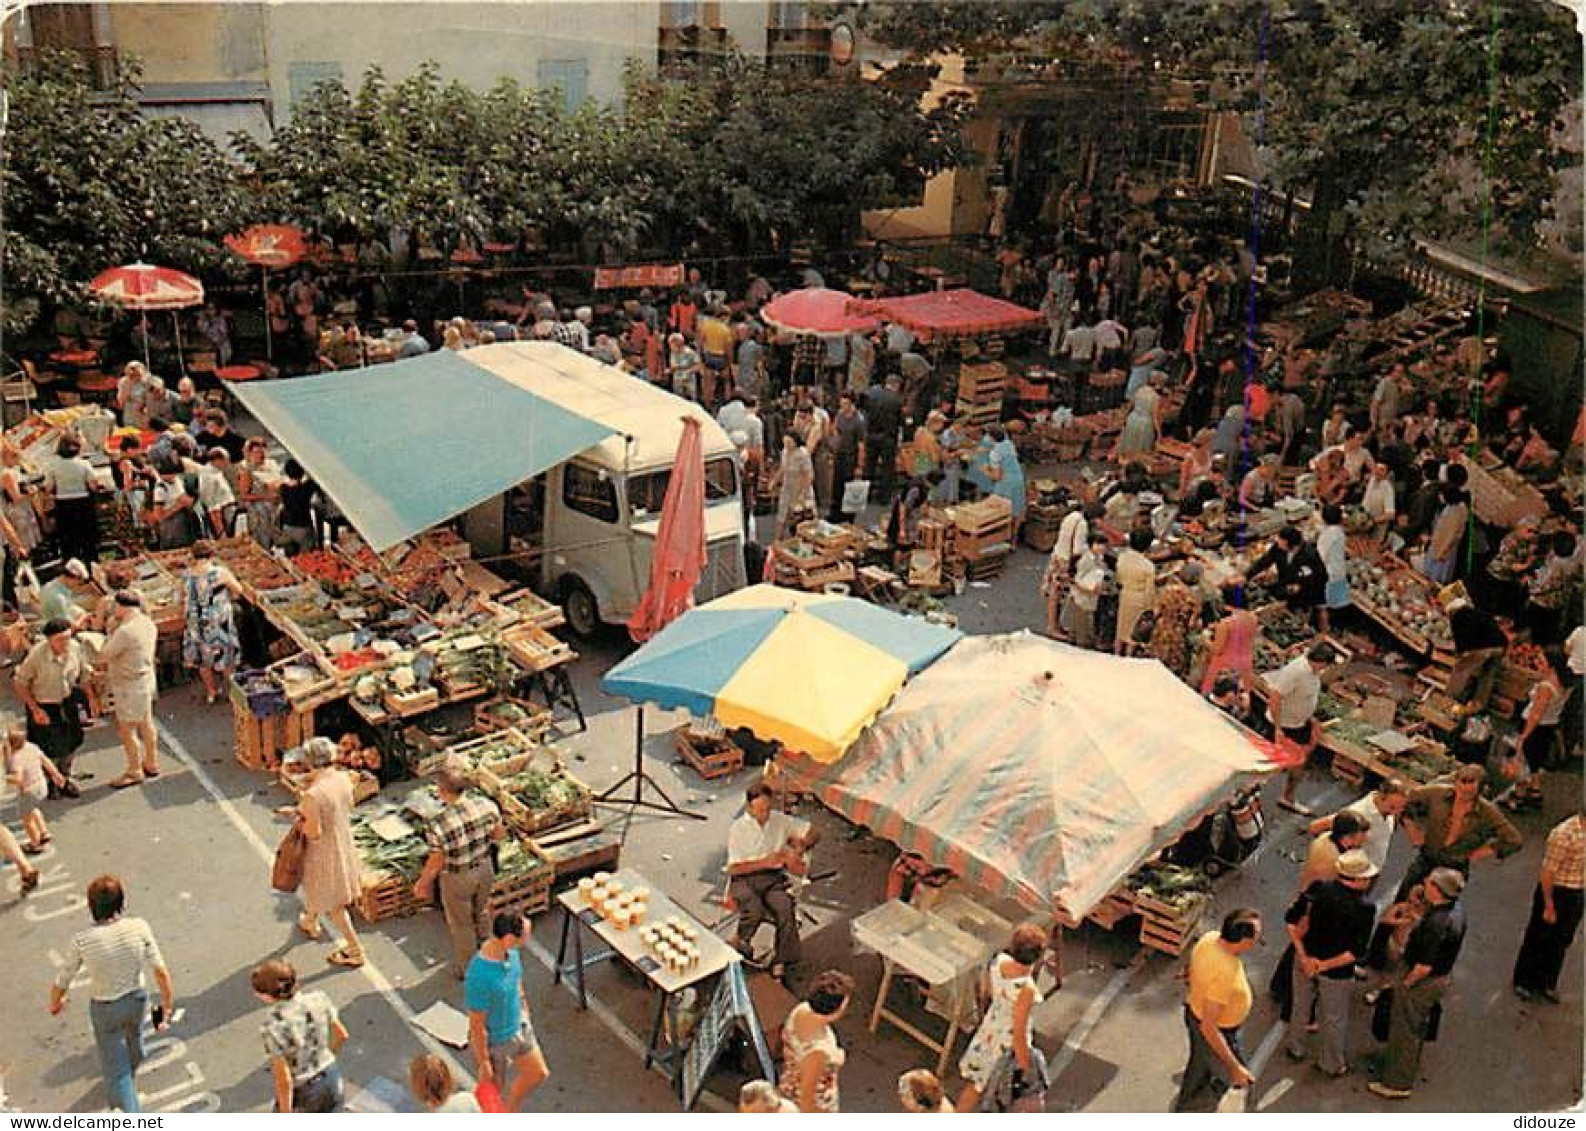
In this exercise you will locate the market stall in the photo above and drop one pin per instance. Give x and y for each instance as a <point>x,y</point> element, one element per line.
<point>1026,767</point>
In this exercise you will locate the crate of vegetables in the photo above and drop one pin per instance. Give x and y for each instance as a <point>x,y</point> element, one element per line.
<point>391,852</point>
<point>1171,900</point>
<point>510,713</point>
<point>523,878</point>
<point>539,795</point>
<point>502,753</point>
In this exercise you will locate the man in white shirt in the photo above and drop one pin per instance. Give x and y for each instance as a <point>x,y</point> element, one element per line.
<point>765,846</point>
<point>1292,694</point>
<point>1380,809</point>
<point>216,501</point>
<point>1378,501</point>
<point>1072,534</point>
<point>1080,346</point>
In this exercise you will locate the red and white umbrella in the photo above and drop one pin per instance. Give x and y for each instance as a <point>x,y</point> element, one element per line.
<point>269,246</point>
<point>141,286</point>
<point>144,287</point>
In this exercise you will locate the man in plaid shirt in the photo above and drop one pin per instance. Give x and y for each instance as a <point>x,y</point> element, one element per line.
<point>1555,912</point>
<point>460,840</point>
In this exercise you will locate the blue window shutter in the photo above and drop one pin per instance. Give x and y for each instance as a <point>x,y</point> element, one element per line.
<point>570,76</point>
<point>304,77</point>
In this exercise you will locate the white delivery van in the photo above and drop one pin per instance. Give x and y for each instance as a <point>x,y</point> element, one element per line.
<point>597,514</point>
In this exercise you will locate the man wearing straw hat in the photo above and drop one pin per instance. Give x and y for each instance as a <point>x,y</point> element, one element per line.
<point>1330,925</point>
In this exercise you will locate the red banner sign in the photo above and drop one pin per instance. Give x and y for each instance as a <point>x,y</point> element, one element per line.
<point>646,275</point>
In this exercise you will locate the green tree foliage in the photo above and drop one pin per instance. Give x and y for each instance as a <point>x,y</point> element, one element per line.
<point>90,183</point>
<point>737,161</point>
<point>1396,116</point>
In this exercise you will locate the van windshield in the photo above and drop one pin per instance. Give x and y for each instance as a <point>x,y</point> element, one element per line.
<point>646,493</point>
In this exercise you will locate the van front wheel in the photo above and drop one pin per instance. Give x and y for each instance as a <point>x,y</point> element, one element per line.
<point>579,608</point>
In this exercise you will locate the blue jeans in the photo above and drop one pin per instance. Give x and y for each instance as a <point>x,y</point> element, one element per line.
<point>319,1094</point>
<point>118,1031</point>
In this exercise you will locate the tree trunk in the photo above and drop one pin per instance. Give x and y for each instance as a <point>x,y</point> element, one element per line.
<point>1320,259</point>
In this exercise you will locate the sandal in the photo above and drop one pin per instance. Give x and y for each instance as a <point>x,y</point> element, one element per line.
<point>30,881</point>
<point>310,927</point>
<point>151,771</point>
<point>34,849</point>
<point>343,956</point>
<point>126,781</point>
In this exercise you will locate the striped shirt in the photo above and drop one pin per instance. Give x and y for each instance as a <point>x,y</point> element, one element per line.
<point>1565,858</point>
<point>116,954</point>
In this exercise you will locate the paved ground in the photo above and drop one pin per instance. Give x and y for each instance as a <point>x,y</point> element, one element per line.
<point>195,847</point>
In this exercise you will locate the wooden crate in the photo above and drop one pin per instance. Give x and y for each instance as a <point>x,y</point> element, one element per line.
<point>535,649</point>
<point>530,821</point>
<point>1113,910</point>
<point>984,515</point>
<point>365,785</point>
<point>526,892</point>
<point>522,748</point>
<point>539,718</point>
<point>712,756</point>
<point>254,739</point>
<point>1347,769</point>
<point>1169,929</point>
<point>594,850</point>
<point>386,895</point>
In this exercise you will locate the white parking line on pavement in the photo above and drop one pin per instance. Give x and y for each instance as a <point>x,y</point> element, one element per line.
<point>382,985</point>
<point>1268,1046</point>
<point>1094,1012</point>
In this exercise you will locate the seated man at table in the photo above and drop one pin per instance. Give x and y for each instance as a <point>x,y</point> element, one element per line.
<point>764,847</point>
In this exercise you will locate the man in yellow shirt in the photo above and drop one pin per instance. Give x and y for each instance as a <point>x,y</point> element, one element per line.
<point>1218,1002</point>
<point>715,339</point>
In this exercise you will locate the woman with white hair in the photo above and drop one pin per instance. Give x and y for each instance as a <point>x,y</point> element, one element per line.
<point>158,401</point>
<point>330,866</point>
<point>132,395</point>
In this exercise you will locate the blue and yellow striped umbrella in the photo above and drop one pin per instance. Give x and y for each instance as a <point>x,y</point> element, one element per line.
<point>808,670</point>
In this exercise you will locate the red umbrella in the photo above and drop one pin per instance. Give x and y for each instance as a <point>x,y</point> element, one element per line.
<point>142,287</point>
<point>815,310</point>
<point>678,557</point>
<point>267,246</point>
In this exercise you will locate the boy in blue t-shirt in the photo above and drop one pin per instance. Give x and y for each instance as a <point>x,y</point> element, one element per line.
<point>499,1030</point>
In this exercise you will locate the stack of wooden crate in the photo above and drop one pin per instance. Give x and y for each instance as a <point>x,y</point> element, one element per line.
<point>984,536</point>
<point>980,391</point>
<point>1041,522</point>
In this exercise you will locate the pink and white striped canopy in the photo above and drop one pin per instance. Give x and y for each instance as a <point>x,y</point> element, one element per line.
<point>141,286</point>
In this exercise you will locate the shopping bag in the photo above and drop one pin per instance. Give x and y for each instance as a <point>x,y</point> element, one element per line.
<point>287,872</point>
<point>489,1097</point>
<point>856,493</point>
<point>29,592</point>
<point>1235,1101</point>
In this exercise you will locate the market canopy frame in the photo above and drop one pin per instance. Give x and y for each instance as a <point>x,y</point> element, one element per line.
<point>403,446</point>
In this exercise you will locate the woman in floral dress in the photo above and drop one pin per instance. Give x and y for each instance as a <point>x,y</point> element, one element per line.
<point>209,640</point>
<point>1178,613</point>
